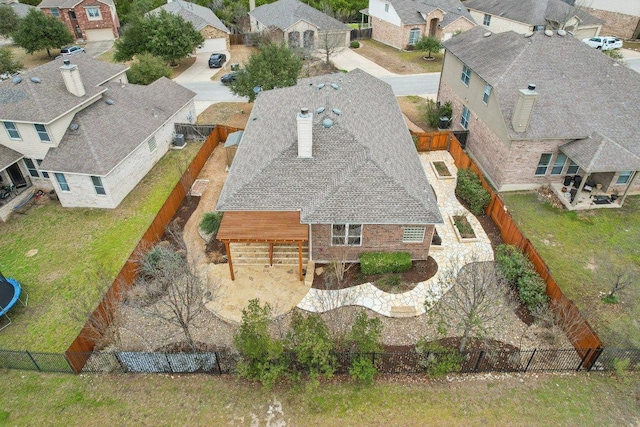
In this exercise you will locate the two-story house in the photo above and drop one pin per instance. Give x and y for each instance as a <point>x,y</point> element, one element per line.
<point>88,20</point>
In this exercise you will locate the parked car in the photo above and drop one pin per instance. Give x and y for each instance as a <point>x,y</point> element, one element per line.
<point>216,60</point>
<point>70,50</point>
<point>229,77</point>
<point>604,43</point>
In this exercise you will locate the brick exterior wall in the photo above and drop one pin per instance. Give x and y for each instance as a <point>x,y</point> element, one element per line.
<point>82,20</point>
<point>617,24</point>
<point>375,238</point>
<point>210,32</point>
<point>385,32</point>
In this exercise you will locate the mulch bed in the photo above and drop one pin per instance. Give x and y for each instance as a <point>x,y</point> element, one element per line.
<point>184,347</point>
<point>177,223</point>
<point>419,272</point>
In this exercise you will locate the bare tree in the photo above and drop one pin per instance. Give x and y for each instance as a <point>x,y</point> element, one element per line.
<point>477,302</point>
<point>330,43</point>
<point>620,281</point>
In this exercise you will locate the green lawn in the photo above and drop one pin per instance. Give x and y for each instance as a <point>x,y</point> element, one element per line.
<point>584,250</point>
<point>524,400</point>
<point>76,247</point>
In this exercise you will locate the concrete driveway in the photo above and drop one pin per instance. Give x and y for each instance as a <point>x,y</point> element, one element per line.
<point>97,48</point>
<point>631,58</point>
<point>349,60</point>
<point>200,72</point>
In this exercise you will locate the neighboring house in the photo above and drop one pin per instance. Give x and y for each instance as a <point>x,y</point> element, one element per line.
<point>215,33</point>
<point>300,25</point>
<point>620,17</point>
<point>88,20</point>
<point>20,9</point>
<point>539,108</point>
<point>81,129</point>
<point>402,23</point>
<point>524,16</point>
<point>343,176</point>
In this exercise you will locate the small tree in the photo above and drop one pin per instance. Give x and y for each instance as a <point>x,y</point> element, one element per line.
<point>38,31</point>
<point>330,43</point>
<point>365,341</point>
<point>619,281</point>
<point>478,299</point>
<point>311,343</point>
<point>434,110</point>
<point>273,66</point>
<point>147,69</point>
<point>429,44</point>
<point>8,20</point>
<point>7,63</point>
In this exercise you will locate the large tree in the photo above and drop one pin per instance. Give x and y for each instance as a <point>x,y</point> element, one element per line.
<point>7,64</point>
<point>8,20</point>
<point>165,35</point>
<point>273,66</point>
<point>147,69</point>
<point>38,31</point>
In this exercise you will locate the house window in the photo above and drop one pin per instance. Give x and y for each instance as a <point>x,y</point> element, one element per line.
<point>573,168</point>
<point>624,177</point>
<point>466,75</point>
<point>72,14</point>
<point>62,181</point>
<point>414,36</point>
<point>413,235</point>
<point>558,165</point>
<point>97,185</point>
<point>464,117</point>
<point>44,174</point>
<point>346,234</point>
<point>55,12</point>
<point>12,130</point>
<point>543,164</point>
<point>487,93</point>
<point>42,133</point>
<point>152,144</point>
<point>386,7</point>
<point>487,20</point>
<point>31,168</point>
<point>93,13</point>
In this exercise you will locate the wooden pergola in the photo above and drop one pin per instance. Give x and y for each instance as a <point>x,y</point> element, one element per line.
<point>270,227</point>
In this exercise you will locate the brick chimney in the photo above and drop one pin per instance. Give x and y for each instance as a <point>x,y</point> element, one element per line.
<point>72,80</point>
<point>304,120</point>
<point>524,108</point>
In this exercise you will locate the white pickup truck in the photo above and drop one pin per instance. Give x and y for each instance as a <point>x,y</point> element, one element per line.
<point>604,43</point>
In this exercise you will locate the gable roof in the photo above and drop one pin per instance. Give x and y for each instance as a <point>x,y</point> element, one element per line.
<point>199,16</point>
<point>598,153</point>
<point>8,157</point>
<point>533,12</point>
<point>364,168</point>
<point>109,133</point>
<point>45,101</point>
<point>20,9</point>
<point>284,13</point>
<point>68,4</point>
<point>411,11</point>
<point>580,90</point>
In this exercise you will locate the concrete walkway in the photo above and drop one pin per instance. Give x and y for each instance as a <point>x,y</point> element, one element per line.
<point>451,252</point>
<point>349,60</point>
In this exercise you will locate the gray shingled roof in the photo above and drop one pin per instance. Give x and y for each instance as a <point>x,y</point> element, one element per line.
<point>199,16</point>
<point>67,4</point>
<point>410,11</point>
<point>8,157</point>
<point>532,12</point>
<point>364,168</point>
<point>284,13</point>
<point>600,154</point>
<point>109,133</point>
<point>580,90</point>
<point>45,101</point>
<point>20,9</point>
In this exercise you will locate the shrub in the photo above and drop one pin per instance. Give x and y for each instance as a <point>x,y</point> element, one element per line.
<point>512,262</point>
<point>363,369</point>
<point>470,191</point>
<point>355,44</point>
<point>520,272</point>
<point>262,356</point>
<point>310,342</point>
<point>437,360</point>
<point>147,70</point>
<point>531,290</point>
<point>160,258</point>
<point>211,222</point>
<point>384,262</point>
<point>364,338</point>
<point>433,111</point>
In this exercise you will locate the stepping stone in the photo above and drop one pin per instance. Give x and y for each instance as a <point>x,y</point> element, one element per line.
<point>404,311</point>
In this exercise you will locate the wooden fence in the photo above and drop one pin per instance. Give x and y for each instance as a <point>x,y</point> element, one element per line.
<point>80,349</point>
<point>362,33</point>
<point>582,335</point>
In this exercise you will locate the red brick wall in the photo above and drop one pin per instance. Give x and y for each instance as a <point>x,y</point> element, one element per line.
<point>375,238</point>
<point>387,33</point>
<point>83,21</point>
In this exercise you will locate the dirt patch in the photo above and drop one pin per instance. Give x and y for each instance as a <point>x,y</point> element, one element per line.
<point>234,114</point>
<point>32,60</point>
<point>492,230</point>
<point>413,108</point>
<point>183,64</point>
<point>239,54</point>
<point>419,272</point>
<point>397,61</point>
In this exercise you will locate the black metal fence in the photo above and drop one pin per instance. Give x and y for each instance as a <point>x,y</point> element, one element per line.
<point>220,362</point>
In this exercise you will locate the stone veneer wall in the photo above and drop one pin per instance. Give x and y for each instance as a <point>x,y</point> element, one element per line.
<point>210,32</point>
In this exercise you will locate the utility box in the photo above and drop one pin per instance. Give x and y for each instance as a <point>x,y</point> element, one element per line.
<point>178,140</point>
<point>231,146</point>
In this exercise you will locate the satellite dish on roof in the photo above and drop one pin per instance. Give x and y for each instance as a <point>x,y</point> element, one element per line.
<point>16,80</point>
<point>548,33</point>
<point>35,79</point>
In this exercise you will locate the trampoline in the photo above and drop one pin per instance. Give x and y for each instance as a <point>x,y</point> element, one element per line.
<point>10,292</point>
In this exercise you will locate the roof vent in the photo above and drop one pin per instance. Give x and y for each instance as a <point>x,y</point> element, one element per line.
<point>16,80</point>
<point>528,34</point>
<point>320,110</point>
<point>327,123</point>
<point>320,86</point>
<point>335,86</point>
<point>548,33</point>
<point>304,112</point>
<point>74,126</point>
<point>487,34</point>
<point>36,79</point>
<point>336,112</point>
<point>531,86</point>
<point>562,33</point>
<point>109,101</point>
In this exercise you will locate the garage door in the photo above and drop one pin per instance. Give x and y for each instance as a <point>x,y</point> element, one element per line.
<point>101,34</point>
<point>214,45</point>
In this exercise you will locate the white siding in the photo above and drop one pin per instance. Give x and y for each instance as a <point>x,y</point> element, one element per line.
<point>376,8</point>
